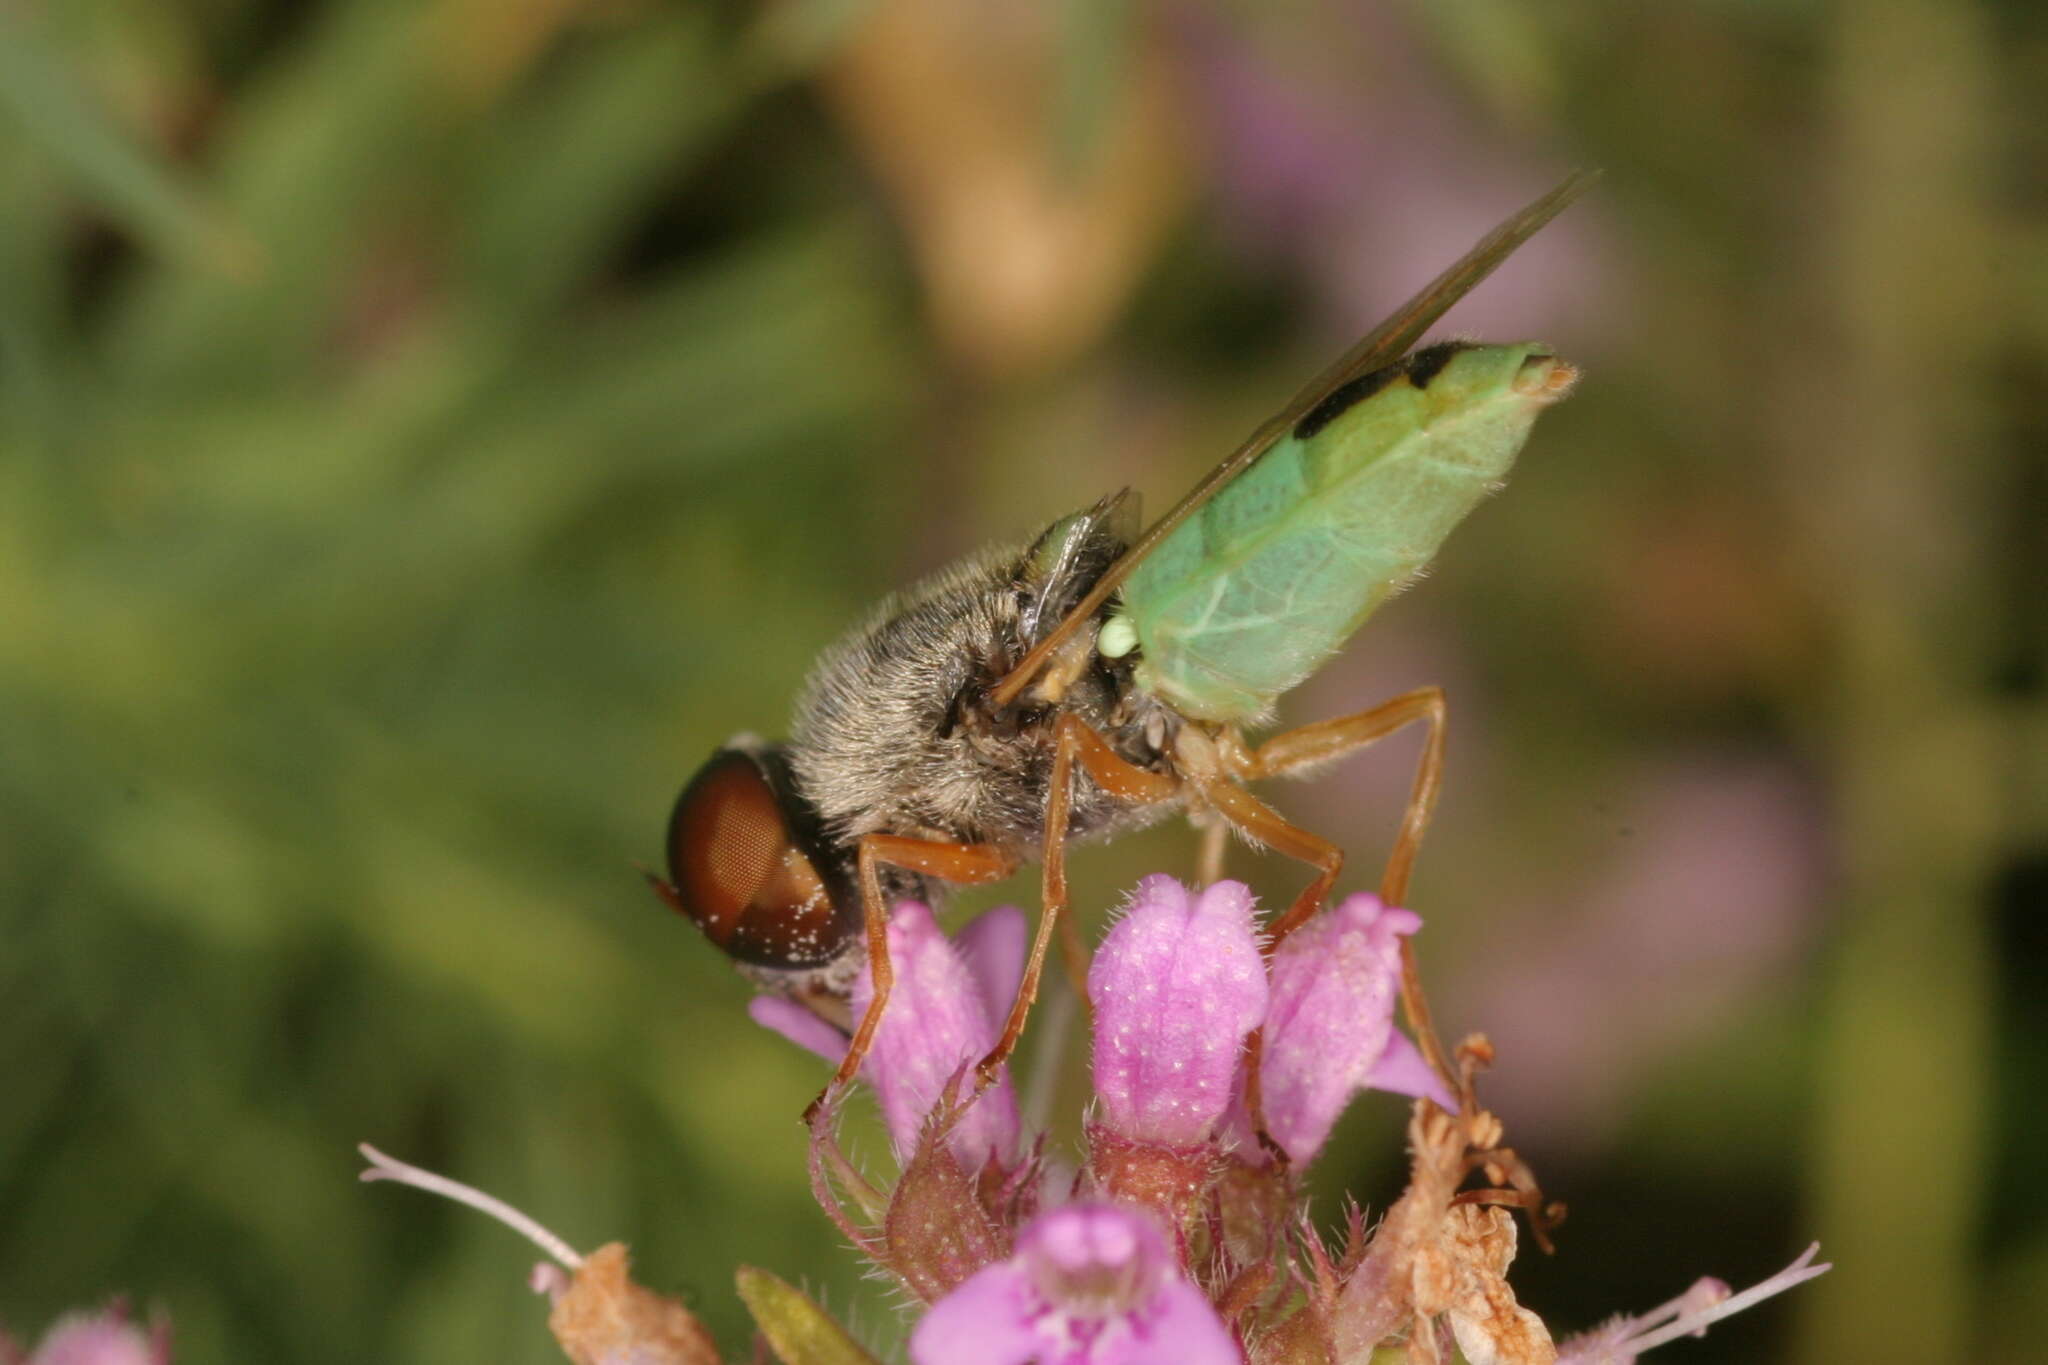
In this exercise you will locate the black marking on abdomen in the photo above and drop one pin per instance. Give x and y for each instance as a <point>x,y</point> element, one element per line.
<point>1343,397</point>
<point>1419,368</point>
<point>1427,363</point>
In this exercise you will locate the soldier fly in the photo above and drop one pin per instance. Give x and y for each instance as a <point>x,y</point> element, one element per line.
<point>1099,679</point>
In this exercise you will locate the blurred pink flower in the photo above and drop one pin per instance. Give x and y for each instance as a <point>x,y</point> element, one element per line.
<point>1717,887</point>
<point>104,1338</point>
<point>1358,162</point>
<point>1091,1284</point>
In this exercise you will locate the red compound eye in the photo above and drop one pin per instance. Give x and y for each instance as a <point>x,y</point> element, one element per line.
<point>740,871</point>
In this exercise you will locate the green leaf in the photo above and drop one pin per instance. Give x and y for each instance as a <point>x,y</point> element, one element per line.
<point>566,171</point>
<point>798,1330</point>
<point>139,188</point>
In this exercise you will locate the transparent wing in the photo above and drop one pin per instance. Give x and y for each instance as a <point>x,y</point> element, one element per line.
<point>1061,558</point>
<point>1383,345</point>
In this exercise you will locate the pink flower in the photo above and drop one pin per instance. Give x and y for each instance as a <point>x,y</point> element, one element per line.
<point>1330,1028</point>
<point>107,1338</point>
<point>1176,986</point>
<point>941,1015</point>
<point>1091,1284</point>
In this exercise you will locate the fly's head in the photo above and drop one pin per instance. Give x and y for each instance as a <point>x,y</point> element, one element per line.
<point>749,864</point>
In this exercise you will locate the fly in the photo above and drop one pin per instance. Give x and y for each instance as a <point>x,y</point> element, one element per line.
<point>1100,679</point>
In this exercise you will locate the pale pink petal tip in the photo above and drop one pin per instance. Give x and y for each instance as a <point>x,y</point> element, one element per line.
<point>1402,1070</point>
<point>779,1014</point>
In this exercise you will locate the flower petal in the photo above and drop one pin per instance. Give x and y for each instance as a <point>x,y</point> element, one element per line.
<point>1334,985</point>
<point>935,1022</point>
<point>1402,1070</point>
<point>780,1014</point>
<point>1093,1283</point>
<point>1179,1327</point>
<point>994,945</point>
<point>989,1320</point>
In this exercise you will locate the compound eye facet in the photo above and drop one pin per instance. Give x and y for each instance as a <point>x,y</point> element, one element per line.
<point>739,871</point>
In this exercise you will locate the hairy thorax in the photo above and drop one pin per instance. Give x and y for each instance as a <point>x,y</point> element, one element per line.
<point>894,733</point>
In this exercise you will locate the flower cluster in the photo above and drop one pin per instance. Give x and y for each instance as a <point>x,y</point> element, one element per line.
<point>1220,1064</point>
<point>1219,1069</point>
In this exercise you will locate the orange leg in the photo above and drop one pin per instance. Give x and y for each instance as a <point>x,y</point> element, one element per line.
<point>1209,862</point>
<point>1074,953</point>
<point>961,863</point>
<point>1333,739</point>
<point>1075,741</point>
<point>1261,822</point>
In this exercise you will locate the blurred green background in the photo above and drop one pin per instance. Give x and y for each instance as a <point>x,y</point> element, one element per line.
<point>426,429</point>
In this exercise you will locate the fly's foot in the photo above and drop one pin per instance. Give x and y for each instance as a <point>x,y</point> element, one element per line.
<point>821,1109</point>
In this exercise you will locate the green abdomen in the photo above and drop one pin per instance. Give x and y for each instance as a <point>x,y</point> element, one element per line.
<point>1257,589</point>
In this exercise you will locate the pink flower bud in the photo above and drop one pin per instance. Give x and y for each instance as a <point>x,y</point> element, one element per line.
<point>1330,1029</point>
<point>1176,985</point>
